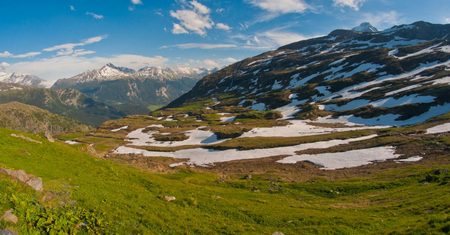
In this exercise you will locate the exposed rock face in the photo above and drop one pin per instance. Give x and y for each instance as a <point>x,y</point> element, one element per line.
<point>30,180</point>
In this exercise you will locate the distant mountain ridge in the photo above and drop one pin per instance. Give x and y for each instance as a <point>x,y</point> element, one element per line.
<point>110,72</point>
<point>133,91</point>
<point>66,102</point>
<point>23,79</point>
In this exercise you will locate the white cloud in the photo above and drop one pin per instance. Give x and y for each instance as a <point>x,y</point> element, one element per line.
<point>69,48</point>
<point>3,66</point>
<point>211,63</point>
<point>200,7</point>
<point>383,19</point>
<point>267,40</point>
<point>194,17</point>
<point>223,26</point>
<point>281,6</point>
<point>200,46</point>
<point>72,8</point>
<point>7,54</point>
<point>447,20</point>
<point>354,4</point>
<point>208,63</point>
<point>136,2</point>
<point>95,16</point>
<point>178,29</point>
<point>193,20</point>
<point>230,60</point>
<point>68,66</point>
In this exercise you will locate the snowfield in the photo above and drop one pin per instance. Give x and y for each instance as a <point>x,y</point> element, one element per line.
<point>206,157</point>
<point>353,158</point>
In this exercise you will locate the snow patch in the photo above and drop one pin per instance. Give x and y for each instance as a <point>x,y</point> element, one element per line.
<point>439,129</point>
<point>206,157</point>
<point>119,129</point>
<point>353,158</point>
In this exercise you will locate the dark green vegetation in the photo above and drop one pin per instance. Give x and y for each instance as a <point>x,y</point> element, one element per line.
<point>83,193</point>
<point>67,102</point>
<point>29,118</point>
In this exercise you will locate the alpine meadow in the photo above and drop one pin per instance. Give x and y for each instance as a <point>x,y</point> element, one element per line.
<point>225,117</point>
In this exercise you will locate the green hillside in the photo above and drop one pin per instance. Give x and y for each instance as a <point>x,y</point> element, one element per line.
<point>29,118</point>
<point>83,193</point>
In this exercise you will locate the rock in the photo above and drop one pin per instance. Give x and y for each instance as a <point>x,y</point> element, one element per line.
<point>10,217</point>
<point>7,232</point>
<point>36,184</point>
<point>26,138</point>
<point>277,233</point>
<point>20,175</point>
<point>169,198</point>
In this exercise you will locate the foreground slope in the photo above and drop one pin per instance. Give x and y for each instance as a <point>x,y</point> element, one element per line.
<point>82,193</point>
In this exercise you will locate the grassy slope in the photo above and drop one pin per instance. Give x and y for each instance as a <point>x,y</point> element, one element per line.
<point>131,201</point>
<point>30,118</point>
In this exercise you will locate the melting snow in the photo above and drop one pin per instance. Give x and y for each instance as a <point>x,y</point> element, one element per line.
<point>444,80</point>
<point>205,157</point>
<point>295,128</point>
<point>385,103</point>
<point>71,142</point>
<point>391,119</point>
<point>353,158</point>
<point>196,137</point>
<point>439,129</point>
<point>119,129</point>
<point>411,159</point>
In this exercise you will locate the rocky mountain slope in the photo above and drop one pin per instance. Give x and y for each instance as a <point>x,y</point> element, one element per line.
<point>398,76</point>
<point>18,116</point>
<point>67,102</point>
<point>133,91</point>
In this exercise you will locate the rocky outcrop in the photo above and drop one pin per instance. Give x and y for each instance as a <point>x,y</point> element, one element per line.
<point>20,175</point>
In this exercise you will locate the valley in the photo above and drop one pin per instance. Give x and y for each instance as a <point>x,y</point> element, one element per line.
<point>347,133</point>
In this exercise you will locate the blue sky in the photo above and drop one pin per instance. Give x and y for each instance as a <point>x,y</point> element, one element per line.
<point>57,39</point>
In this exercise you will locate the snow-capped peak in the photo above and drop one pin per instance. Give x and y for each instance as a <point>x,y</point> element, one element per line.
<point>22,79</point>
<point>365,27</point>
<point>112,72</point>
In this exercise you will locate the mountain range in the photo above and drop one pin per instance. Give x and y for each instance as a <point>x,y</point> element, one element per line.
<point>130,91</point>
<point>22,79</point>
<point>398,76</point>
<point>66,102</point>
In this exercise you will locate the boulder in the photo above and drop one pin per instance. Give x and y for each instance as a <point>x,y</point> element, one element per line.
<point>35,183</point>
<point>20,175</point>
<point>9,217</point>
<point>169,198</point>
<point>7,232</point>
